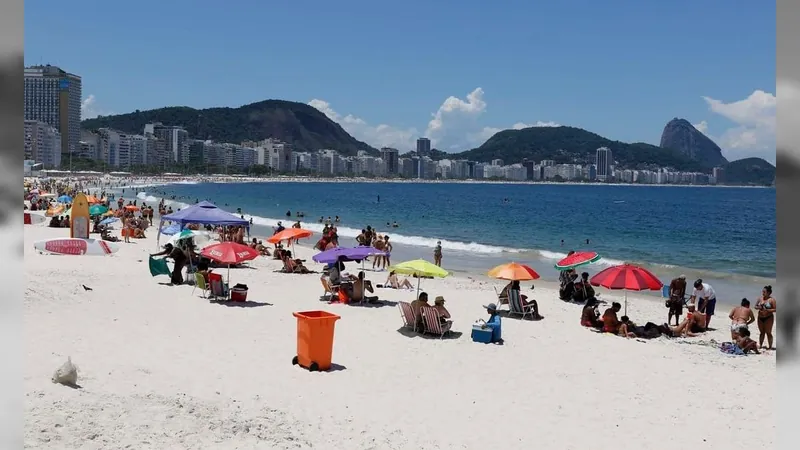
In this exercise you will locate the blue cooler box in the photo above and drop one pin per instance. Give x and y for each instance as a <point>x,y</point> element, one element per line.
<point>481,335</point>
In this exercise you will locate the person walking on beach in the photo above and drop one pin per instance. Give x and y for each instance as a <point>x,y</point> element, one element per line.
<point>677,297</point>
<point>766,306</point>
<point>705,298</point>
<point>741,317</point>
<point>437,254</point>
<point>387,247</point>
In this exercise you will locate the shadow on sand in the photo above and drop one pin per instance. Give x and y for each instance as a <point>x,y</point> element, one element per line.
<point>453,335</point>
<point>247,304</point>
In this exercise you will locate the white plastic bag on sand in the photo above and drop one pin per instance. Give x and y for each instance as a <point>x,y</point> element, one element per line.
<point>67,374</point>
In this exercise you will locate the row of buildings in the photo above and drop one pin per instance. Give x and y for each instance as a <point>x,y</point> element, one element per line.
<point>52,129</point>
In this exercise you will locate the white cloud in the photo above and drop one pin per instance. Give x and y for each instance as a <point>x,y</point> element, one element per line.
<point>754,130</point>
<point>701,127</point>
<point>454,127</point>
<point>378,136</point>
<point>90,110</point>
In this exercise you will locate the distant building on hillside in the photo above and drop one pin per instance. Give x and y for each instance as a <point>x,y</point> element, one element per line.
<point>604,161</point>
<point>390,157</point>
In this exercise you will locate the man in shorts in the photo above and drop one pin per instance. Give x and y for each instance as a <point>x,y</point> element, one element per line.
<point>706,299</point>
<point>677,297</point>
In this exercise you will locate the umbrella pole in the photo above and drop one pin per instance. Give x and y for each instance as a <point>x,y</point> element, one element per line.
<point>626,303</point>
<point>418,280</point>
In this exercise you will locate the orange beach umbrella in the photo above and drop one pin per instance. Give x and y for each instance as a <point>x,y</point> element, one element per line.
<point>289,234</point>
<point>92,199</point>
<point>131,207</point>
<point>513,272</point>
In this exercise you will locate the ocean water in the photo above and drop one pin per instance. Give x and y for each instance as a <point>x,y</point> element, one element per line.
<point>721,234</point>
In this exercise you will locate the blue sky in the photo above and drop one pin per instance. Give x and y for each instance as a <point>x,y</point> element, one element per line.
<point>392,71</point>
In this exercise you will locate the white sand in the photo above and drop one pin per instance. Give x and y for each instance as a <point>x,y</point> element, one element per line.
<point>162,368</point>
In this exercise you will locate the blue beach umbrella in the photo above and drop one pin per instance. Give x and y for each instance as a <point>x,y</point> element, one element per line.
<point>64,199</point>
<point>108,221</point>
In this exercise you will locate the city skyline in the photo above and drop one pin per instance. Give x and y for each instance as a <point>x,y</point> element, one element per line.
<point>474,84</point>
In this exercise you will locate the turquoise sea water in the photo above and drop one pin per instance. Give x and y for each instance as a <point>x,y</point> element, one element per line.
<point>721,234</point>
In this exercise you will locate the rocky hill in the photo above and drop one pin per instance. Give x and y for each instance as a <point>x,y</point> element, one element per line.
<point>681,135</point>
<point>574,145</point>
<point>749,171</point>
<point>296,123</point>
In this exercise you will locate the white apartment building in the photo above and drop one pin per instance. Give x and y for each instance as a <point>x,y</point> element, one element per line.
<point>42,144</point>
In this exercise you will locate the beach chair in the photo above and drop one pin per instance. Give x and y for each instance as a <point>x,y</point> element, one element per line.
<point>500,299</point>
<point>515,307</point>
<point>200,282</point>
<point>407,313</point>
<point>330,290</point>
<point>433,322</point>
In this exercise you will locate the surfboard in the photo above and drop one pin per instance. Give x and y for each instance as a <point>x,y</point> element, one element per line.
<point>79,220</point>
<point>34,219</point>
<point>70,246</point>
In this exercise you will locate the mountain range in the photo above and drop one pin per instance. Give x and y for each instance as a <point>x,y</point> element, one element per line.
<point>682,146</point>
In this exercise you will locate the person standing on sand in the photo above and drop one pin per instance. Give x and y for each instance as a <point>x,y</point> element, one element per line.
<point>379,245</point>
<point>706,299</point>
<point>741,317</point>
<point>766,306</point>
<point>437,254</point>
<point>677,296</point>
<point>387,247</point>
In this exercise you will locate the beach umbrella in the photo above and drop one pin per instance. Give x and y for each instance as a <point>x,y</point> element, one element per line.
<point>171,229</point>
<point>229,253</point>
<point>200,237</point>
<point>347,254</point>
<point>419,268</point>
<point>64,199</point>
<point>108,221</point>
<point>96,210</point>
<point>577,259</point>
<point>131,208</point>
<point>91,199</point>
<point>513,272</point>
<point>289,234</point>
<point>627,277</point>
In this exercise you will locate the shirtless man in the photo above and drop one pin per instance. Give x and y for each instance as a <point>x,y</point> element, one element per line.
<point>692,325</point>
<point>741,317</point>
<point>379,245</point>
<point>387,247</point>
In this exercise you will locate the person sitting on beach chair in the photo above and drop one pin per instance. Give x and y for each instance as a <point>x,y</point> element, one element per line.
<point>444,314</point>
<point>417,305</point>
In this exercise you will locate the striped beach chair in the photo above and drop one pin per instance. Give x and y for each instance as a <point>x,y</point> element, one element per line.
<point>407,313</point>
<point>515,305</point>
<point>433,322</point>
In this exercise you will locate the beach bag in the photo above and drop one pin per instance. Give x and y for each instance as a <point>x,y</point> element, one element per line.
<point>731,349</point>
<point>159,267</point>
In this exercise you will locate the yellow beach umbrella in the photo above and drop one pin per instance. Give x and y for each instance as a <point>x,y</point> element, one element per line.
<point>419,268</point>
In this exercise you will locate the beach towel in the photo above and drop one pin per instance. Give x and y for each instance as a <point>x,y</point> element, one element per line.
<point>731,349</point>
<point>158,267</point>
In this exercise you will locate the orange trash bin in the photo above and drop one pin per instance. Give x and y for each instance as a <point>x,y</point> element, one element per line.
<point>314,339</point>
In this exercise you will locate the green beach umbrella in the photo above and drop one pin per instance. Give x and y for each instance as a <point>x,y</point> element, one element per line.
<point>577,259</point>
<point>96,210</point>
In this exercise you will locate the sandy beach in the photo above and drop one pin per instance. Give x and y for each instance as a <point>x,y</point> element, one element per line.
<point>160,367</point>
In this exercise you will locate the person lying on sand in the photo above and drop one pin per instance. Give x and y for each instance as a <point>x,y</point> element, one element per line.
<point>394,282</point>
<point>692,325</point>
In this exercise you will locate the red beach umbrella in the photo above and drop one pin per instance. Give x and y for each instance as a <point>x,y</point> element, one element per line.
<point>229,253</point>
<point>627,277</point>
<point>577,259</point>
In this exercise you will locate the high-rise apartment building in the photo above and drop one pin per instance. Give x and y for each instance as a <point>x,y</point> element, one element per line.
<point>423,146</point>
<point>53,96</point>
<point>176,142</point>
<point>604,161</point>
<point>390,157</point>
<point>42,144</point>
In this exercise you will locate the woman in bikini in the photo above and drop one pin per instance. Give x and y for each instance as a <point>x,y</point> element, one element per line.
<point>766,307</point>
